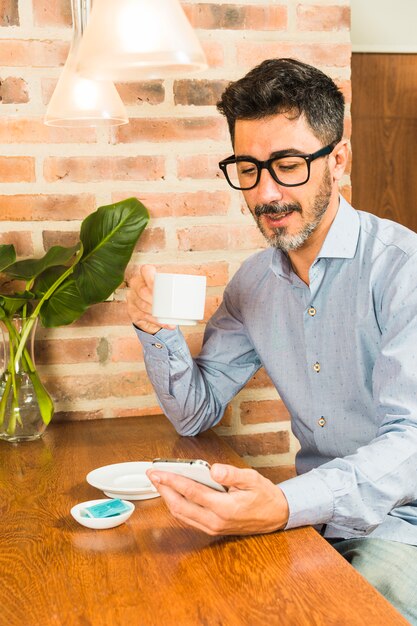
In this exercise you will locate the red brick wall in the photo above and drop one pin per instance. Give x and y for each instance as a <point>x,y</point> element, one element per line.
<point>167,156</point>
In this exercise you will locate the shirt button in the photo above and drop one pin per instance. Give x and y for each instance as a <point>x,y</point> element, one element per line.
<point>316,367</point>
<point>312,311</point>
<point>158,345</point>
<point>321,421</point>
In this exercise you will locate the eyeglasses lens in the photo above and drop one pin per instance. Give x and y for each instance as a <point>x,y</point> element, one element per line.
<point>289,170</point>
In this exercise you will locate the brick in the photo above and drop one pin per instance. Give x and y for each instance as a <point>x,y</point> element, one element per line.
<point>318,54</point>
<point>33,53</point>
<point>33,130</point>
<point>136,412</point>
<point>199,167</point>
<point>212,304</point>
<point>277,474</point>
<point>126,349</point>
<point>151,240</point>
<point>217,272</point>
<point>22,242</point>
<point>96,386</point>
<point>214,53</point>
<point>22,207</point>
<point>59,238</point>
<point>53,351</point>
<point>260,443</point>
<point>323,18</point>
<point>195,204</point>
<point>261,411</point>
<point>198,92</point>
<point>194,342</point>
<point>13,90</point>
<point>345,87</point>
<point>17,169</point>
<point>133,94</point>
<point>47,89</point>
<point>347,132</point>
<point>104,314</point>
<point>211,237</point>
<point>94,169</point>
<point>47,13</point>
<point>78,416</point>
<point>260,380</point>
<point>149,92</point>
<point>236,17</point>
<point>202,238</point>
<point>9,13</point>
<point>227,417</point>
<point>170,129</point>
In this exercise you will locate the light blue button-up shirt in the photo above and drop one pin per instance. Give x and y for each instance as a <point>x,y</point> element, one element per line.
<point>342,353</point>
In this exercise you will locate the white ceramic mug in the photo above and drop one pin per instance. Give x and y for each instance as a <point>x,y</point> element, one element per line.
<point>178,299</point>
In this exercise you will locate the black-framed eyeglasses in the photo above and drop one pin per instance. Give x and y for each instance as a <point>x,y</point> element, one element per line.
<point>287,169</point>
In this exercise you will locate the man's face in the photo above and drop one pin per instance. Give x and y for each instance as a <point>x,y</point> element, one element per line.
<point>288,217</point>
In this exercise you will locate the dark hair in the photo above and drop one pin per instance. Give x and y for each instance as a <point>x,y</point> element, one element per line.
<point>286,86</point>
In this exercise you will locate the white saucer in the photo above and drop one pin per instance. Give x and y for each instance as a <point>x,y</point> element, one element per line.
<point>133,496</point>
<point>127,480</point>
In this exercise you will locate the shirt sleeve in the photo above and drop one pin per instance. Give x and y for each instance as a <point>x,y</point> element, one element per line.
<point>354,494</point>
<point>194,393</point>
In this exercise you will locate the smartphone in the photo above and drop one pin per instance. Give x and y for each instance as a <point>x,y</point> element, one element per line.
<point>196,469</point>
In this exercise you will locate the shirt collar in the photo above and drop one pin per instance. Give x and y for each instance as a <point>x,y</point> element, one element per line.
<point>341,241</point>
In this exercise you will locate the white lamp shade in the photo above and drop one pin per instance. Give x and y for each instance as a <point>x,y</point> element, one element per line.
<point>131,40</point>
<point>78,101</point>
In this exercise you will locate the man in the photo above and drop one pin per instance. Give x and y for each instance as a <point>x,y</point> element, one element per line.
<point>330,311</point>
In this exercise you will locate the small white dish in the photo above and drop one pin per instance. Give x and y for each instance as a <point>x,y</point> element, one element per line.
<point>100,522</point>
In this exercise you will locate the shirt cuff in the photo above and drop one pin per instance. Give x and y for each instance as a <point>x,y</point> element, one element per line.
<point>162,339</point>
<point>310,500</point>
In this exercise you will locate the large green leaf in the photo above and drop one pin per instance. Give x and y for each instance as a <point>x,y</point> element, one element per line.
<point>7,256</point>
<point>109,236</point>
<point>65,305</point>
<point>12,304</point>
<point>31,268</point>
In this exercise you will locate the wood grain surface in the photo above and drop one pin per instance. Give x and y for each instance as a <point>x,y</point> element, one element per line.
<point>152,571</point>
<point>384,135</point>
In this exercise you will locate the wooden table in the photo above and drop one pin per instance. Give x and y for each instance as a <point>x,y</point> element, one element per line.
<point>152,571</point>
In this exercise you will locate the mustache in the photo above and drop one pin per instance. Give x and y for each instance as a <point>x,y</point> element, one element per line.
<point>274,208</point>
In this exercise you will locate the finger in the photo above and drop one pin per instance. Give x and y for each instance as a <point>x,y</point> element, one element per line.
<point>190,489</point>
<point>148,274</point>
<point>189,512</point>
<point>231,476</point>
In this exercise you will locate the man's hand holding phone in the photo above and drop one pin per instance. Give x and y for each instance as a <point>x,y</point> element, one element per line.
<point>195,469</point>
<point>252,504</point>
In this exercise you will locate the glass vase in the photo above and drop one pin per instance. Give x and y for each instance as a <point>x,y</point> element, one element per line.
<point>21,391</point>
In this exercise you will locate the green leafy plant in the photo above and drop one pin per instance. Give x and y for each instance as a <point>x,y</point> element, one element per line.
<point>60,287</point>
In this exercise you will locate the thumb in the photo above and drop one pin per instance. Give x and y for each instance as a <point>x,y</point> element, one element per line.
<point>148,274</point>
<point>231,476</point>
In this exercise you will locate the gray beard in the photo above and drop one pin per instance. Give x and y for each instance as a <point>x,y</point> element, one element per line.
<point>280,239</point>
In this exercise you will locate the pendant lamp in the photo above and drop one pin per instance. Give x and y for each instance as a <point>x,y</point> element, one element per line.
<point>79,101</point>
<point>131,40</point>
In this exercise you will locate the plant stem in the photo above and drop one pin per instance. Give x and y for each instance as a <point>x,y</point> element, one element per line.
<point>18,339</point>
<point>11,381</point>
<point>32,317</point>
